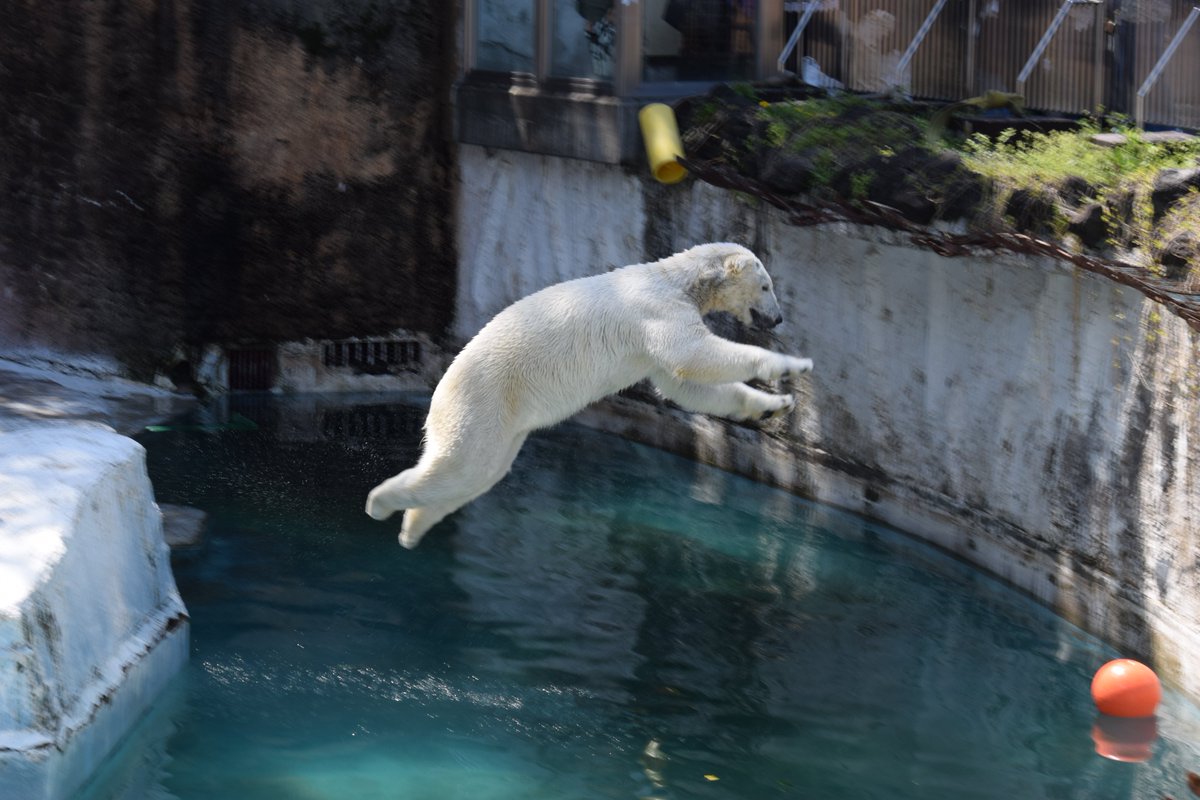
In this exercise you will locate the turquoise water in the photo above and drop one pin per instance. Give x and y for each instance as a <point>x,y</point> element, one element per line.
<point>609,622</point>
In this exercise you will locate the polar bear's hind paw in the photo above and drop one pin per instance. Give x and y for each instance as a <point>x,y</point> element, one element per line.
<point>375,510</point>
<point>785,404</point>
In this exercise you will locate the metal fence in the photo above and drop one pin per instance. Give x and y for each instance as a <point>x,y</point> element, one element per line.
<point>1066,56</point>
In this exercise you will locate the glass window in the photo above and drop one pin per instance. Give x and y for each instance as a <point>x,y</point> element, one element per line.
<point>698,40</point>
<point>505,35</point>
<point>585,39</point>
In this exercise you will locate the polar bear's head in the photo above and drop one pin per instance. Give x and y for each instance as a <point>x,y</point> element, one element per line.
<point>733,280</point>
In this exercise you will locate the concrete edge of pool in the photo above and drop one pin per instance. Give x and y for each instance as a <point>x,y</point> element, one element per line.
<point>1085,598</point>
<point>52,772</point>
<point>85,653</point>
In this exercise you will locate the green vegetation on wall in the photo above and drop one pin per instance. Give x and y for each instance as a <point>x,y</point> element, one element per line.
<point>1103,188</point>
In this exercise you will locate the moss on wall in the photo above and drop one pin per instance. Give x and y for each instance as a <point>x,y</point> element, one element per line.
<point>1124,197</point>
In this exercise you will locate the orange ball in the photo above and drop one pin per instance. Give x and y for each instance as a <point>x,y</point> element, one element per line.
<point>1126,688</point>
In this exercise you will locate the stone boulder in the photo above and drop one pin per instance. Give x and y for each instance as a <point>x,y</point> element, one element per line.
<point>1171,186</point>
<point>1180,255</point>
<point>1031,211</point>
<point>921,185</point>
<point>1090,225</point>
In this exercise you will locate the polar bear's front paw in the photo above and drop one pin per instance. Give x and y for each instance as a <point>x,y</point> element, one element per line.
<point>786,367</point>
<point>797,366</point>
<point>779,405</point>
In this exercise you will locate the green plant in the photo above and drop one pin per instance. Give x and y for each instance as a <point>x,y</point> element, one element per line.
<point>705,112</point>
<point>860,185</point>
<point>824,168</point>
<point>835,133</point>
<point>777,133</point>
<point>1120,175</point>
<point>1040,158</point>
<point>837,122</point>
<point>844,140</point>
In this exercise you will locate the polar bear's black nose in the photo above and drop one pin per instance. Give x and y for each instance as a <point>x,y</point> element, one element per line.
<point>763,322</point>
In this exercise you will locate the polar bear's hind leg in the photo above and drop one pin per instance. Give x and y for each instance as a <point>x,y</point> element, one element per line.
<point>432,491</point>
<point>390,496</point>
<point>439,477</point>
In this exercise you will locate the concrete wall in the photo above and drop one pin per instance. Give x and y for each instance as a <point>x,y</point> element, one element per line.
<point>179,172</point>
<point>1037,420</point>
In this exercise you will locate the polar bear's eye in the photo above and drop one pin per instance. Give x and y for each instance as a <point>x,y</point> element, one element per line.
<point>765,287</point>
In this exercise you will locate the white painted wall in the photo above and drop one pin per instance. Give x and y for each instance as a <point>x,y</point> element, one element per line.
<point>1040,421</point>
<point>528,221</point>
<point>1033,418</point>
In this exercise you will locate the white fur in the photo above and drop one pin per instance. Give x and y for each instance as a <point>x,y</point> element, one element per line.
<point>552,353</point>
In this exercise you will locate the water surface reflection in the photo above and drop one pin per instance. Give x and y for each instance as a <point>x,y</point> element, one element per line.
<point>609,622</point>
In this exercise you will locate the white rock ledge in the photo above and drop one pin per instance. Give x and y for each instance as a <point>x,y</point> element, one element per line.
<point>92,626</point>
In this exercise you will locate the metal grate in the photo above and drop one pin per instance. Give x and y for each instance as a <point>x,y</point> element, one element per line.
<point>369,424</point>
<point>251,369</point>
<point>373,354</point>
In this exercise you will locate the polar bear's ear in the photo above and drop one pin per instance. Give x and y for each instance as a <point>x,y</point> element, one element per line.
<point>737,264</point>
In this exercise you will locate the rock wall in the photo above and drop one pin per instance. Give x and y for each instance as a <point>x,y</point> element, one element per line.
<point>1037,420</point>
<point>92,626</point>
<point>178,172</point>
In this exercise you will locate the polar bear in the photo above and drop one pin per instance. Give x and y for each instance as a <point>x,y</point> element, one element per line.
<point>552,353</point>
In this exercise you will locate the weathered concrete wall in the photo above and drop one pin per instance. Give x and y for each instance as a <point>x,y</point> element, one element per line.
<point>1037,420</point>
<point>178,172</point>
<point>534,221</point>
<point>92,626</point>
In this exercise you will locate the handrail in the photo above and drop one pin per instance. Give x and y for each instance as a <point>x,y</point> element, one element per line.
<point>1036,55</point>
<point>901,65</point>
<point>1140,103</point>
<point>809,8</point>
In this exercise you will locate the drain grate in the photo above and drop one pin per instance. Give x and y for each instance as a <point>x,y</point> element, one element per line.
<point>373,355</point>
<point>251,369</point>
<point>369,424</point>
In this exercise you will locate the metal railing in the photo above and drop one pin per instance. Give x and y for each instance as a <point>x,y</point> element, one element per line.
<point>1139,57</point>
<point>1183,110</point>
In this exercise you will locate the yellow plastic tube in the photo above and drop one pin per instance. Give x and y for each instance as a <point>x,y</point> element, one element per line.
<point>661,134</point>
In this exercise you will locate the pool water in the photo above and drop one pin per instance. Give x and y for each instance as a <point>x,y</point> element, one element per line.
<point>609,622</point>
